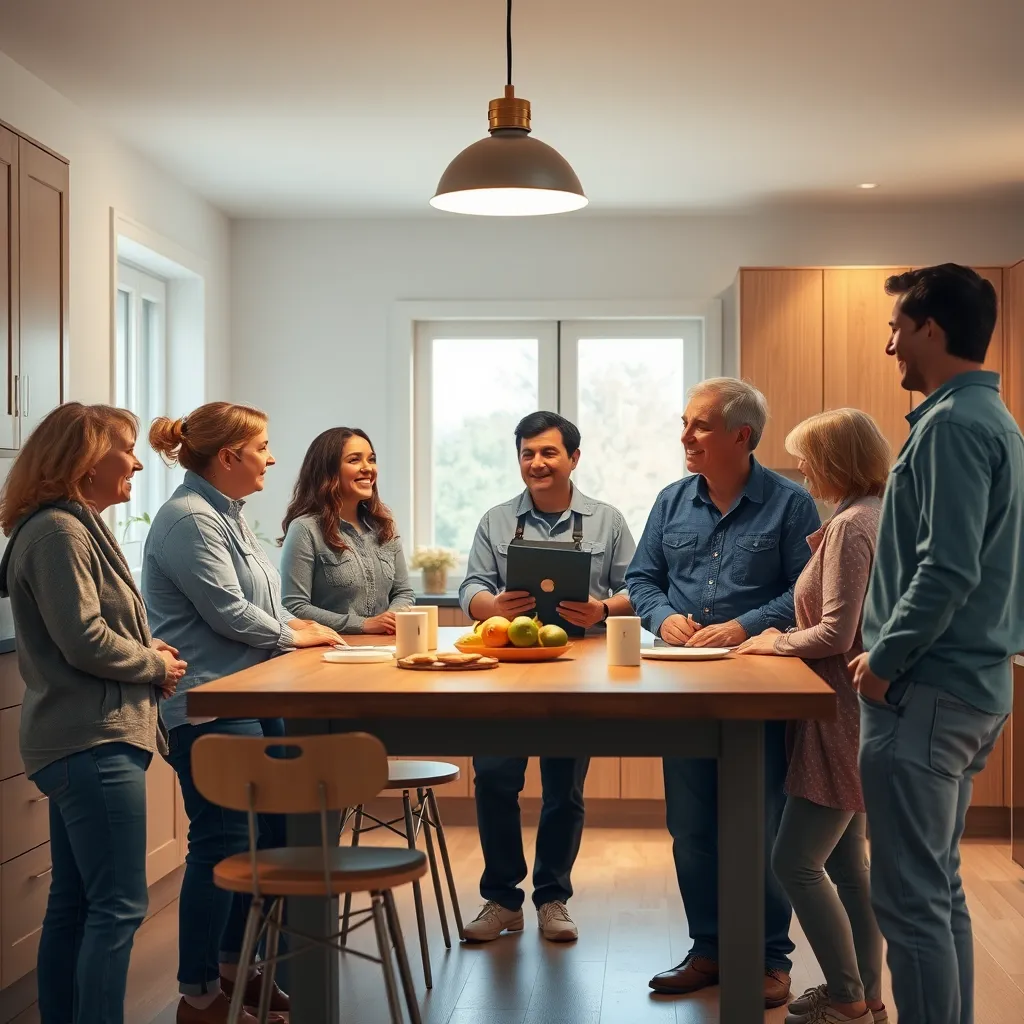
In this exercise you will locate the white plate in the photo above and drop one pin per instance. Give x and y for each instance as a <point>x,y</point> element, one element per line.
<point>357,656</point>
<point>366,647</point>
<point>684,653</point>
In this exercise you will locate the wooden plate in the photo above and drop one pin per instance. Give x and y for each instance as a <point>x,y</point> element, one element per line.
<point>440,666</point>
<point>516,653</point>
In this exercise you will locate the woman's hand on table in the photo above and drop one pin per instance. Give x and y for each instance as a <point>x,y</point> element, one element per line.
<point>582,613</point>
<point>383,623</point>
<point>313,634</point>
<point>763,643</point>
<point>722,634</point>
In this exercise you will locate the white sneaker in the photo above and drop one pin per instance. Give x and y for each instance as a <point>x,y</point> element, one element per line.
<point>492,920</point>
<point>555,923</point>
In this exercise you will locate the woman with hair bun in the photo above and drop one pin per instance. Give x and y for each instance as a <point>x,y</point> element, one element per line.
<point>214,593</point>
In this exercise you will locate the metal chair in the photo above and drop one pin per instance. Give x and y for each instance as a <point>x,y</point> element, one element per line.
<point>423,815</point>
<point>310,775</point>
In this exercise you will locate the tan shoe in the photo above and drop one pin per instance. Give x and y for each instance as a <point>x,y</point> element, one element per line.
<point>777,987</point>
<point>693,974</point>
<point>492,920</point>
<point>555,923</point>
<point>279,1001</point>
<point>215,1013</point>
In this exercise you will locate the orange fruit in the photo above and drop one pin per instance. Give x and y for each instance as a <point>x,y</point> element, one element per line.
<point>495,631</point>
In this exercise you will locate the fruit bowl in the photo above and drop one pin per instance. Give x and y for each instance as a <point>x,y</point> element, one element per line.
<point>515,653</point>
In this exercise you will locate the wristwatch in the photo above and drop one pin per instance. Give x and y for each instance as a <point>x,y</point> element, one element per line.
<point>604,605</point>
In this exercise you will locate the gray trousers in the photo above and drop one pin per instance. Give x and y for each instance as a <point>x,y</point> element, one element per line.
<point>838,920</point>
<point>918,759</point>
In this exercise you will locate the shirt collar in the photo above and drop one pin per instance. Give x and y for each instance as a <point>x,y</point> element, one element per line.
<point>982,378</point>
<point>220,501</point>
<point>753,490</point>
<point>579,503</point>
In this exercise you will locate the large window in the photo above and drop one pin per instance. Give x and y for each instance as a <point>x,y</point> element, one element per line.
<point>623,382</point>
<point>141,385</point>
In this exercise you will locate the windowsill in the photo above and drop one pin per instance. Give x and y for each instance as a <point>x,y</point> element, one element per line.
<point>448,600</point>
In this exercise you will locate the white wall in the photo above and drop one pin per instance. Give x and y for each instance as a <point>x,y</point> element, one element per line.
<point>311,301</point>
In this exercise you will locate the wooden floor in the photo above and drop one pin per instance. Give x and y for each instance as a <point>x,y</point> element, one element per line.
<point>631,926</point>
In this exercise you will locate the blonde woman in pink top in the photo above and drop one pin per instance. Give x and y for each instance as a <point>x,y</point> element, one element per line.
<point>846,461</point>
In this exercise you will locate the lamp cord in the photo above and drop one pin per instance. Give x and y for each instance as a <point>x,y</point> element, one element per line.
<point>508,41</point>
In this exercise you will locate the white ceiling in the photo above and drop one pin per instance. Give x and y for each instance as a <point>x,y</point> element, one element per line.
<point>355,106</point>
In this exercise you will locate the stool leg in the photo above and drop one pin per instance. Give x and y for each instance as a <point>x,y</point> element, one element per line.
<point>385,957</point>
<point>403,960</point>
<point>245,958</point>
<point>442,845</point>
<point>435,875</point>
<point>270,964</point>
<point>417,893</point>
<point>356,824</point>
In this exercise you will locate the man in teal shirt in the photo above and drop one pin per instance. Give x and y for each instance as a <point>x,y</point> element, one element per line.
<point>943,616</point>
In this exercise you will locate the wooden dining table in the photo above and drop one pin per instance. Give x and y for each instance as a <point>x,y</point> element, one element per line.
<point>575,706</point>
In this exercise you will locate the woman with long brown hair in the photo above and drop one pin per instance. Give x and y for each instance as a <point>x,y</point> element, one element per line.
<point>210,586</point>
<point>93,676</point>
<point>342,562</point>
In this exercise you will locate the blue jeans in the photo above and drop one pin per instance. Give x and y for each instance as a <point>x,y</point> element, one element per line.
<point>691,807</point>
<point>499,781</point>
<point>918,759</point>
<point>211,921</point>
<point>98,894</point>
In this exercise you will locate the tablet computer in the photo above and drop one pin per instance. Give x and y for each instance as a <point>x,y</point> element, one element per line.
<point>549,575</point>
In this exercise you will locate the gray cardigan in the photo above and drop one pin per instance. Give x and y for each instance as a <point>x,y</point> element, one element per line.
<point>342,589</point>
<point>83,641</point>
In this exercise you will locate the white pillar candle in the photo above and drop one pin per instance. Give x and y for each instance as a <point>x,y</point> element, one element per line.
<point>410,633</point>
<point>431,610</point>
<point>623,640</point>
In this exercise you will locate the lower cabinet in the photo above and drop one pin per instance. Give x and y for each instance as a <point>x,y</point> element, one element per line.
<point>24,887</point>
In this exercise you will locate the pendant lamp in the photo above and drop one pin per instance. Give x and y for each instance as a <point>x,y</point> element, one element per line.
<point>509,174</point>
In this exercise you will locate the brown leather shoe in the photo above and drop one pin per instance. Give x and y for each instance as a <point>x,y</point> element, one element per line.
<point>215,1013</point>
<point>776,988</point>
<point>279,1001</point>
<point>693,974</point>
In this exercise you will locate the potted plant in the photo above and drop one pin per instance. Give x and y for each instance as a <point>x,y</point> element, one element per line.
<point>435,563</point>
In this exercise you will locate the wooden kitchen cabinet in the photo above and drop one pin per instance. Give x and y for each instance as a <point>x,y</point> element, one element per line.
<point>9,265</point>
<point>781,350</point>
<point>1013,340</point>
<point>166,823</point>
<point>857,371</point>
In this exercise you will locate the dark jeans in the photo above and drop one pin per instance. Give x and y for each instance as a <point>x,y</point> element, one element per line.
<point>918,759</point>
<point>499,781</point>
<point>211,921</point>
<point>98,893</point>
<point>691,807</point>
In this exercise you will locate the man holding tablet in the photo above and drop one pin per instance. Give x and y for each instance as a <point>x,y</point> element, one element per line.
<point>550,511</point>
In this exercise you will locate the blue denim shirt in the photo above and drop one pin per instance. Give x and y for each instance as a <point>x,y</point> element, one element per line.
<point>210,590</point>
<point>741,565</point>
<point>945,605</point>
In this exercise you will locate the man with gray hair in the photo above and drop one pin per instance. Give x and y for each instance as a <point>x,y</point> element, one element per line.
<point>717,563</point>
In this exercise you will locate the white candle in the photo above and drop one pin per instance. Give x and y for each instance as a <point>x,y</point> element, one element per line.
<point>431,610</point>
<point>410,633</point>
<point>623,640</point>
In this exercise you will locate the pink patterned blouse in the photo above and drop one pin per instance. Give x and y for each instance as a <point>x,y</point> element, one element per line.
<point>829,596</point>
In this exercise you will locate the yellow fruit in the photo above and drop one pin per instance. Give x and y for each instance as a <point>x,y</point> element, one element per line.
<point>471,640</point>
<point>494,631</point>
<point>523,632</point>
<point>477,626</point>
<point>553,636</point>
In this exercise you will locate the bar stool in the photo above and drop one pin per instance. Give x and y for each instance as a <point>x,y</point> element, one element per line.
<point>421,776</point>
<point>312,775</point>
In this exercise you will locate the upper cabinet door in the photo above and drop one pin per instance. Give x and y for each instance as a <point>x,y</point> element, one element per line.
<point>858,373</point>
<point>44,282</point>
<point>8,287</point>
<point>1013,352</point>
<point>781,351</point>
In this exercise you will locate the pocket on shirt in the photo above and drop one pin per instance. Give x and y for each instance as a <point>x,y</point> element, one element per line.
<point>756,562</point>
<point>387,564</point>
<point>340,570</point>
<point>680,549</point>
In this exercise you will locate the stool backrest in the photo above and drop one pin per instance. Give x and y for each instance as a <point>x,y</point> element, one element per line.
<point>314,773</point>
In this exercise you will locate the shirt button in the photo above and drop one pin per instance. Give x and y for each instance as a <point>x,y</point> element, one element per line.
<point>714,554</point>
<point>711,583</point>
<point>706,610</point>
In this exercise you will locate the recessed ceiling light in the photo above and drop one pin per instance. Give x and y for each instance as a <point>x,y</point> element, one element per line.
<point>868,184</point>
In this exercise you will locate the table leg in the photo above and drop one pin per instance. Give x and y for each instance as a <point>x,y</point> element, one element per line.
<point>741,872</point>
<point>312,977</point>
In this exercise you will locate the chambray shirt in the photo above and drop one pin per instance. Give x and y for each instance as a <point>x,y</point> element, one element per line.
<point>741,565</point>
<point>945,604</point>
<point>605,535</point>
<point>342,589</point>
<point>210,590</point>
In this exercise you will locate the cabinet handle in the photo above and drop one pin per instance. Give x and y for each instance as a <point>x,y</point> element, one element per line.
<point>17,394</point>
<point>26,396</point>
<point>37,799</point>
<point>42,874</point>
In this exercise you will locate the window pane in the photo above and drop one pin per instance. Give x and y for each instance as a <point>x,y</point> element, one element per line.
<point>631,396</point>
<point>481,389</point>
<point>123,348</point>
